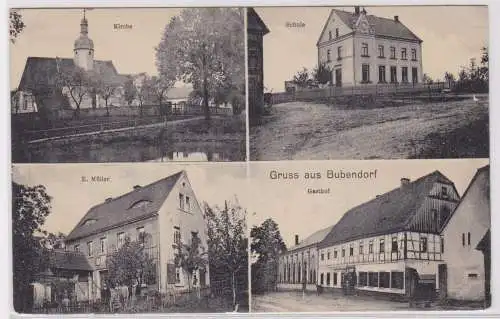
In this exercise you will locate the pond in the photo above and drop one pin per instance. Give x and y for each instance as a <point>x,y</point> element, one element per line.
<point>132,151</point>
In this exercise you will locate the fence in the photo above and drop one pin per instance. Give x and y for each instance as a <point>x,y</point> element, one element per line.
<point>375,90</point>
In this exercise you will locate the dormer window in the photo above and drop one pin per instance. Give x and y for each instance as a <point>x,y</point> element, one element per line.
<point>143,203</point>
<point>88,222</point>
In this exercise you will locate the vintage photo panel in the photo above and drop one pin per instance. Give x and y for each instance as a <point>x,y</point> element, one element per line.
<point>127,85</point>
<point>370,236</point>
<point>132,238</point>
<point>384,82</point>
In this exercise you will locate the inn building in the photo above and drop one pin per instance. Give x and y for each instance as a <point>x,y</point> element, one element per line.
<point>299,264</point>
<point>392,243</point>
<point>362,49</point>
<point>162,216</point>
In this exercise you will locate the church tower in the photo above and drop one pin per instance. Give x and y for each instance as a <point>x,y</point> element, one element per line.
<point>84,47</point>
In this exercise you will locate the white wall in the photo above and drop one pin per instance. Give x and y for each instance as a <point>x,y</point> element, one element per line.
<point>471,216</point>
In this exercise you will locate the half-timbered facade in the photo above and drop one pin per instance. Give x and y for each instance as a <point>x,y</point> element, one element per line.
<point>391,243</point>
<point>299,264</point>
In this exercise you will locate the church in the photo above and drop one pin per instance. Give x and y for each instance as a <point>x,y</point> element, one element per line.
<point>40,84</point>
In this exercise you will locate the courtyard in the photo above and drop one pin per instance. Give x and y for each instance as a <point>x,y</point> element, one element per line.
<point>314,131</point>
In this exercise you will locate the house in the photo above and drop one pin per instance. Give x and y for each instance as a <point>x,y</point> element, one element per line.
<point>364,49</point>
<point>390,245</point>
<point>162,216</point>
<point>299,264</point>
<point>256,29</point>
<point>466,237</point>
<point>41,85</point>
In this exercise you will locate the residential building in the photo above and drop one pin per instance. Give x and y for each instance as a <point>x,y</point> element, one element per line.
<point>466,270</point>
<point>256,29</point>
<point>162,215</point>
<point>363,49</point>
<point>299,264</point>
<point>390,244</point>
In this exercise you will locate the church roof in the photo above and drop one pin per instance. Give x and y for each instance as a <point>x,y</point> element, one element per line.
<point>382,26</point>
<point>125,208</point>
<point>387,213</point>
<point>42,72</point>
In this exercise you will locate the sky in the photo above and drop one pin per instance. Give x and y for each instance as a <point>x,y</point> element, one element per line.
<point>52,32</point>
<point>451,36</point>
<point>297,212</point>
<point>212,183</point>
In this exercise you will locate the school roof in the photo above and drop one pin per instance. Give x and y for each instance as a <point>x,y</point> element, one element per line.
<point>125,209</point>
<point>255,23</point>
<point>312,239</point>
<point>41,72</point>
<point>387,213</point>
<point>382,26</point>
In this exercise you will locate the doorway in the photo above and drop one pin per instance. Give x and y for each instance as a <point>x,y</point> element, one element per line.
<point>338,77</point>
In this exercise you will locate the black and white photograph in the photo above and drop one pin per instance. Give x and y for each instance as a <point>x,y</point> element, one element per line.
<point>129,239</point>
<point>371,236</point>
<point>381,82</point>
<point>127,85</point>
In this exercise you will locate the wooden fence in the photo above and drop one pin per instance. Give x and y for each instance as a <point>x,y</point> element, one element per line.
<point>375,90</point>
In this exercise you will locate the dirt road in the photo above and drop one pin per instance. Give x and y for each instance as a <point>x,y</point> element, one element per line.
<point>306,131</point>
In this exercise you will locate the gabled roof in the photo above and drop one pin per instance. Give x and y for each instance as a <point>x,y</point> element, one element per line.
<point>390,212</point>
<point>255,23</point>
<point>41,72</point>
<point>382,26</point>
<point>125,209</point>
<point>313,239</point>
<point>485,170</point>
<point>69,260</point>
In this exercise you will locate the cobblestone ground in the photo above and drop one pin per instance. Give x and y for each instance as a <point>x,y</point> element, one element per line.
<point>300,131</point>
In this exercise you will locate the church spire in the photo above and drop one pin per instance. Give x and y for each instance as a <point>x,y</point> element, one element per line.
<point>84,25</point>
<point>84,46</point>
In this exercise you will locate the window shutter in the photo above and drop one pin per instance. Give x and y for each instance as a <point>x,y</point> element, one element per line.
<point>170,273</point>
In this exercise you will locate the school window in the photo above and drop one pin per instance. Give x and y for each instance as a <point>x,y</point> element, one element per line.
<point>365,70</point>
<point>339,53</point>
<point>404,74</point>
<point>370,247</point>
<point>343,252</point>
<point>384,279</point>
<point>373,279</point>
<point>177,235</point>
<point>321,278</point>
<point>329,35</point>
<point>121,239</point>
<point>364,49</point>
<point>414,54</point>
<point>394,246</point>
<point>444,191</point>
<point>472,275</point>
<point>403,54</point>
<point>381,51</point>
<point>361,248</point>
<point>140,234</point>
<point>394,74</point>
<point>90,248</point>
<point>382,245</point>
<point>328,255</point>
<point>322,256</point>
<point>328,57</point>
<point>102,245</point>
<point>393,53</point>
<point>363,279</point>
<point>442,245</point>
<point>188,203</point>
<point>178,275</point>
<point>351,251</point>
<point>381,74</point>
<point>423,244</point>
<point>181,201</point>
<point>335,254</point>
<point>77,247</point>
<point>328,279</point>
<point>335,278</point>
<point>468,239</point>
<point>463,239</point>
<point>336,32</point>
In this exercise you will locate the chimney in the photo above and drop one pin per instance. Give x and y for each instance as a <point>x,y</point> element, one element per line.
<point>396,18</point>
<point>296,239</point>
<point>405,181</point>
<point>356,10</point>
<point>108,199</point>
<point>137,187</point>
